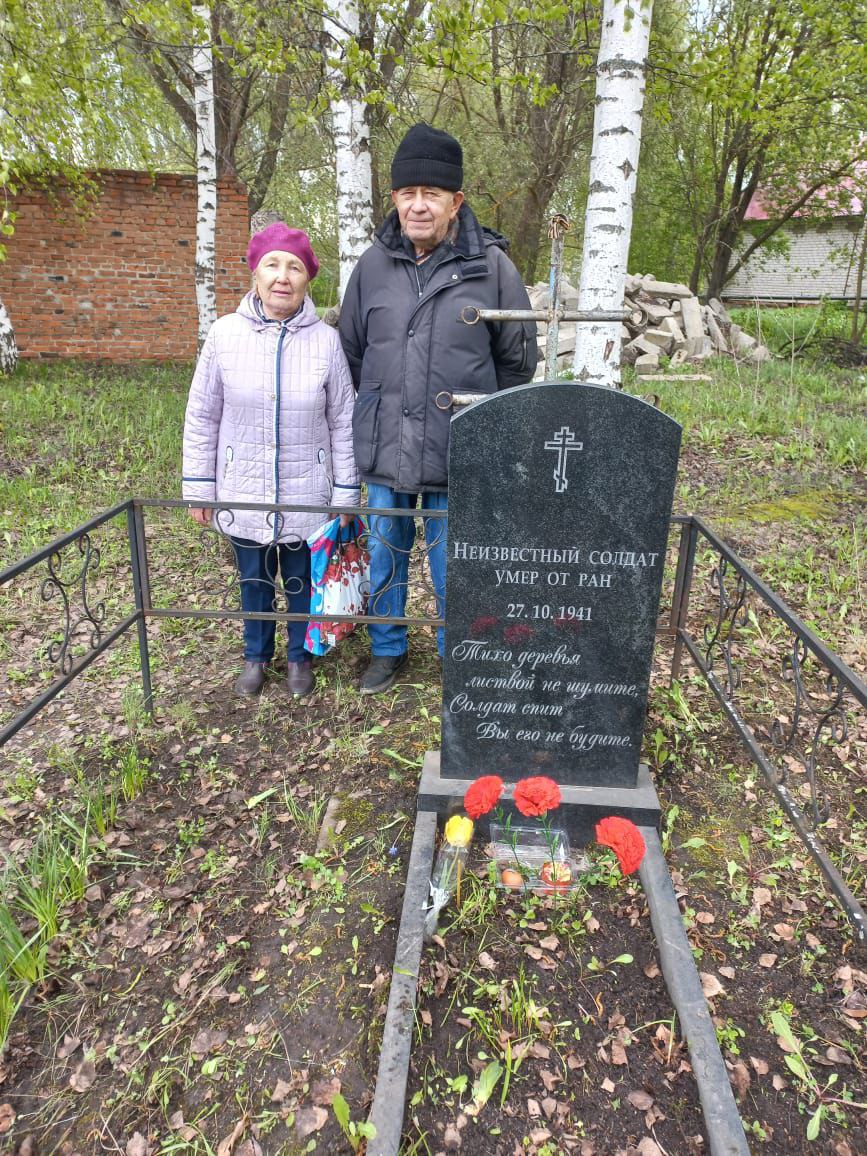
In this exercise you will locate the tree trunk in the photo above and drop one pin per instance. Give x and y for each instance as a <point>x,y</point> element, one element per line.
<point>620,87</point>
<point>206,178</point>
<point>526,239</point>
<point>8,348</point>
<point>351,131</point>
<point>857,326</point>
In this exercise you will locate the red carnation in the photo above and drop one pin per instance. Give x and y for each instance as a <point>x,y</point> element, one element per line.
<point>624,839</point>
<point>537,795</point>
<point>483,795</point>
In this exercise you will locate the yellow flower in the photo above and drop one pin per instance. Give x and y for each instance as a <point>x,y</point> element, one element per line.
<point>459,831</point>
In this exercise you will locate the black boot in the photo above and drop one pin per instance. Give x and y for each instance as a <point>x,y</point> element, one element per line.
<point>251,679</point>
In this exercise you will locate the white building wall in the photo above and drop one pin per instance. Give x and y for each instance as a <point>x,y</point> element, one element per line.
<point>820,262</point>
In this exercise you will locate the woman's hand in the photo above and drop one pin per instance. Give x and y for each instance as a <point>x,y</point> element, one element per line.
<point>201,514</point>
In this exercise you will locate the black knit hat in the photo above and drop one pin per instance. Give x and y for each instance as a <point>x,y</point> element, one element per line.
<point>428,156</point>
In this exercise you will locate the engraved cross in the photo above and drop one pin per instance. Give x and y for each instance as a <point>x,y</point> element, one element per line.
<point>563,441</point>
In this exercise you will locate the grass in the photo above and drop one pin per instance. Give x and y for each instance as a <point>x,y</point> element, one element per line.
<point>783,329</point>
<point>76,438</point>
<point>810,413</point>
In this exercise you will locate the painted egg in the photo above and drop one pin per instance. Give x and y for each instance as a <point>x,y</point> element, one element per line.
<point>509,877</point>
<point>557,874</point>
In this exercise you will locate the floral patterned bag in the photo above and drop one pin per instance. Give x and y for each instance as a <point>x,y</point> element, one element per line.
<point>339,581</point>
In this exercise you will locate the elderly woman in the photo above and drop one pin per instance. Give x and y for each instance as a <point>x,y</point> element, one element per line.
<point>269,419</point>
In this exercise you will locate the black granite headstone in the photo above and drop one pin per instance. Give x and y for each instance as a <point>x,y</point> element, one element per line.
<point>559,503</point>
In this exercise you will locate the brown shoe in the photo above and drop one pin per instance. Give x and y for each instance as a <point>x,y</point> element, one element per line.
<point>251,679</point>
<point>299,678</point>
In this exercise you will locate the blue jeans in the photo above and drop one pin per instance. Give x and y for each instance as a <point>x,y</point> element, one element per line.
<point>390,542</point>
<point>257,570</point>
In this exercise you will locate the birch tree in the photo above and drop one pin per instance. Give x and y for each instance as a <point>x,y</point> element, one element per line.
<point>206,176</point>
<point>8,347</point>
<point>351,133</point>
<point>620,83</point>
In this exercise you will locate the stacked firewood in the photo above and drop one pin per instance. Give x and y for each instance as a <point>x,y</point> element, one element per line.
<point>664,319</point>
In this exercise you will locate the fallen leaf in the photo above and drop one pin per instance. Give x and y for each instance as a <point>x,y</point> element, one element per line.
<point>647,1146</point>
<point>83,1076</point>
<point>281,1091</point>
<point>710,985</point>
<point>451,1138</point>
<point>761,896</point>
<point>70,1044</point>
<point>549,1079</point>
<point>608,1085</point>
<point>549,1106</point>
<point>618,1053</point>
<point>640,1099</point>
<point>740,1078</point>
<point>533,952</point>
<point>137,1145</point>
<point>207,1040</point>
<point>176,1123</point>
<point>779,1083</point>
<point>855,1005</point>
<point>7,1117</point>
<point>728,972</point>
<point>309,1120</point>
<point>539,1135</point>
<point>651,970</point>
<point>324,1091</point>
<point>706,917</point>
<point>760,1067</point>
<point>534,1111</point>
<point>785,931</point>
<point>249,1147</point>
<point>592,924</point>
<point>837,1055</point>
<point>767,959</point>
<point>550,942</point>
<point>487,961</point>
<point>227,1145</point>
<point>426,1018</point>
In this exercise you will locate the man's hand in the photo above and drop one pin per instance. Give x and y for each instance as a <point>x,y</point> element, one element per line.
<point>201,514</point>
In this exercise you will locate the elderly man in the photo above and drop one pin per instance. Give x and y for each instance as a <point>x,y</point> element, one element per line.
<point>402,333</point>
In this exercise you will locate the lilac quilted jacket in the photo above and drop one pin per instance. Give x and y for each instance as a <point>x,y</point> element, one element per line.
<point>269,419</point>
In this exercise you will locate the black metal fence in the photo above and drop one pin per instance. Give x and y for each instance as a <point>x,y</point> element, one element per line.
<point>794,714</point>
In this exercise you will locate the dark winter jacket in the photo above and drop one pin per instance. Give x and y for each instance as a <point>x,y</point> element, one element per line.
<point>405,347</point>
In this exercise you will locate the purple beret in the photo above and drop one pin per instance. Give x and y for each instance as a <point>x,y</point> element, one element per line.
<point>280,238</point>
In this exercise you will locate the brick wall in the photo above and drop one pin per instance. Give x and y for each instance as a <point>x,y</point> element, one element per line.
<point>118,285</point>
<point>820,262</point>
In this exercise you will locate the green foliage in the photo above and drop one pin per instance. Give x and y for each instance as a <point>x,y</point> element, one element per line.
<point>67,99</point>
<point>356,1132</point>
<point>760,95</point>
<point>795,329</point>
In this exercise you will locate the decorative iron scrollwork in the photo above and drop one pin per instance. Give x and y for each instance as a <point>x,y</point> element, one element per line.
<point>89,621</point>
<point>731,614</point>
<point>822,715</point>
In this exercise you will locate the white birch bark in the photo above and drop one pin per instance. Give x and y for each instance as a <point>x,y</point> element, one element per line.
<point>620,83</point>
<point>351,133</point>
<point>8,347</point>
<point>206,177</point>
